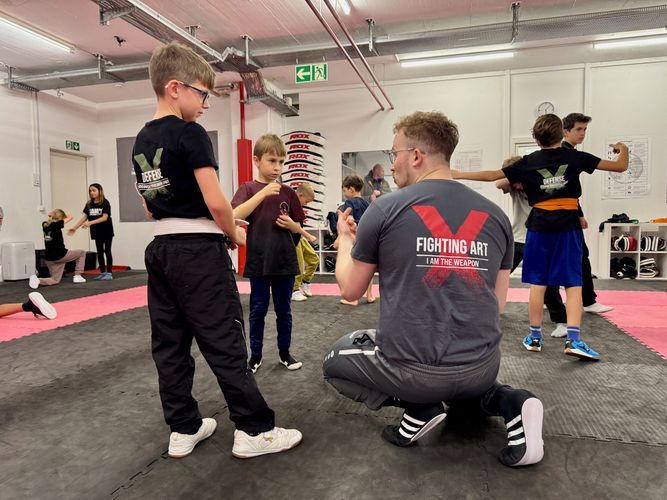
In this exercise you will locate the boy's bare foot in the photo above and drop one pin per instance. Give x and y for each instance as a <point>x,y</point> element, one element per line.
<point>348,303</point>
<point>370,300</point>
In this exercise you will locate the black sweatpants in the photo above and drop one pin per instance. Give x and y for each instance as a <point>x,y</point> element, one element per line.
<point>192,293</point>
<point>552,298</point>
<point>103,246</point>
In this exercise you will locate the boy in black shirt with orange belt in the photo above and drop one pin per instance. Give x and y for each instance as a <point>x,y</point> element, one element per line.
<point>191,287</point>
<point>553,252</point>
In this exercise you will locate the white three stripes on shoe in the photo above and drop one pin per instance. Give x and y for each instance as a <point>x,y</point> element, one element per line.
<point>516,432</point>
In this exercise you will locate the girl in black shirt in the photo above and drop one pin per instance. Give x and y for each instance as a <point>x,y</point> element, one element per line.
<point>97,217</point>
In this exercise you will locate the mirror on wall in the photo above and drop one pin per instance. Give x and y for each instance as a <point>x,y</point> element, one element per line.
<point>361,163</point>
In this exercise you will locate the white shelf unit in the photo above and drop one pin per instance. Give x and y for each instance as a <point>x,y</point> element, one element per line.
<point>606,253</point>
<point>319,233</point>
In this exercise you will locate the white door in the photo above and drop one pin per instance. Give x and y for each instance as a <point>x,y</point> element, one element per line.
<point>69,192</point>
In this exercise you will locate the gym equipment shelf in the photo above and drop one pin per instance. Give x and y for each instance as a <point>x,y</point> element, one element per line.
<point>636,231</point>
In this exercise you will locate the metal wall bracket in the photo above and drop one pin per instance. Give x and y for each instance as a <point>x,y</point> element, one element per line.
<point>371,37</point>
<point>107,15</point>
<point>515,20</point>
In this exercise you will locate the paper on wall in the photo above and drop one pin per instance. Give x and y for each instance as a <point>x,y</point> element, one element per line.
<point>634,182</point>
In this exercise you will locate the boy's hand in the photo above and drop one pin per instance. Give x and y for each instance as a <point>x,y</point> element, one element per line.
<point>311,238</point>
<point>286,222</point>
<point>239,238</point>
<point>271,189</point>
<point>583,222</point>
<point>618,147</point>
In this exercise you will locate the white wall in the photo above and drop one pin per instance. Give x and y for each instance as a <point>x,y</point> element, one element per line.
<point>19,156</point>
<point>492,110</point>
<point>351,120</point>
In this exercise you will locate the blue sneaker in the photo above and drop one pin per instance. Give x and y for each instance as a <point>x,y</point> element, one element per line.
<point>579,349</point>
<point>532,343</point>
<point>98,277</point>
<point>106,277</point>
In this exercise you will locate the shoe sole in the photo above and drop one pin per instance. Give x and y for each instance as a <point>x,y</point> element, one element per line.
<point>33,283</point>
<point>580,354</point>
<point>47,309</point>
<point>259,454</point>
<point>428,426</point>
<point>183,455</point>
<point>532,348</point>
<point>293,367</point>
<point>532,414</point>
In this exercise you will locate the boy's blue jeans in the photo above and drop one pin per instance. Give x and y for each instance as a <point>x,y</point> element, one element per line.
<point>261,288</point>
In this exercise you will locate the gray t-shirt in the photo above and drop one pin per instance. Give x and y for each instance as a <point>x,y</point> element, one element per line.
<point>438,246</point>
<point>521,210</point>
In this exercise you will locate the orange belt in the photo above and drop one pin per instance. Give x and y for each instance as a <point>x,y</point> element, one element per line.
<point>558,204</point>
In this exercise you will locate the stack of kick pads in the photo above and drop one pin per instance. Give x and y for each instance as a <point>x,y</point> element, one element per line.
<point>626,267</point>
<point>305,164</point>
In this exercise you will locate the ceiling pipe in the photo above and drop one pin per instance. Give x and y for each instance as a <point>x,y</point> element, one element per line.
<point>356,48</point>
<point>340,46</point>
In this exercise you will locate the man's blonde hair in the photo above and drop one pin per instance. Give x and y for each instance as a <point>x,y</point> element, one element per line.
<point>175,61</point>
<point>269,144</point>
<point>306,190</point>
<point>432,130</point>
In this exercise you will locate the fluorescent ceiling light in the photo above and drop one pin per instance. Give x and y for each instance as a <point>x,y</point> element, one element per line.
<point>345,6</point>
<point>630,42</point>
<point>411,63</point>
<point>23,30</point>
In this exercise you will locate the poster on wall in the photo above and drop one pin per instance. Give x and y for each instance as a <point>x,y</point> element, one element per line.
<point>130,208</point>
<point>468,160</point>
<point>634,182</point>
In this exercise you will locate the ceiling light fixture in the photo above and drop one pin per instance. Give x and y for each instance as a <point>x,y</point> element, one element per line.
<point>345,7</point>
<point>24,30</point>
<point>630,42</point>
<point>432,61</point>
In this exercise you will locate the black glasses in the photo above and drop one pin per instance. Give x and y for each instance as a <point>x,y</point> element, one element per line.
<point>392,153</point>
<point>205,95</point>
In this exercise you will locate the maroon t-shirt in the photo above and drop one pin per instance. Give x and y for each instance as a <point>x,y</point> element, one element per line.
<point>270,249</point>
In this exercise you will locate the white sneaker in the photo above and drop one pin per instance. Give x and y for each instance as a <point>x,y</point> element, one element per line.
<point>298,296</point>
<point>560,331</point>
<point>305,289</point>
<point>597,308</point>
<point>78,279</point>
<point>274,441</point>
<point>40,306</point>
<point>181,445</point>
<point>33,282</point>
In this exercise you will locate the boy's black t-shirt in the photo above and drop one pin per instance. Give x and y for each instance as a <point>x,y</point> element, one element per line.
<point>549,174</point>
<point>93,211</point>
<point>53,240</point>
<point>165,155</point>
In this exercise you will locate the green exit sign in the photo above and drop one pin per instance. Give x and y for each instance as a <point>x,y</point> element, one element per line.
<point>73,145</point>
<point>305,73</point>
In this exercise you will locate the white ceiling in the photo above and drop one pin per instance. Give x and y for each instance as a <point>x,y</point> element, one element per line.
<point>288,26</point>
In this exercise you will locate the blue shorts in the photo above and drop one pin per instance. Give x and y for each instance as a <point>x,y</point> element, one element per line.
<point>553,258</point>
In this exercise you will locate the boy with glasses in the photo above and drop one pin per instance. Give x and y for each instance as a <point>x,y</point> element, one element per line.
<point>191,289</point>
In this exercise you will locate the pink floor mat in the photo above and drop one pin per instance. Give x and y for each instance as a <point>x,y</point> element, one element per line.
<point>73,311</point>
<point>642,315</point>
